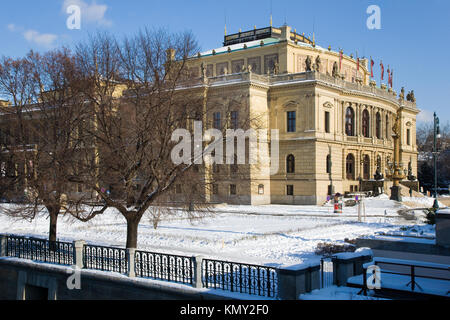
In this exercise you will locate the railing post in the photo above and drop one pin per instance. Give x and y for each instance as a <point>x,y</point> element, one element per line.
<point>3,243</point>
<point>197,281</point>
<point>78,246</point>
<point>298,279</point>
<point>130,257</point>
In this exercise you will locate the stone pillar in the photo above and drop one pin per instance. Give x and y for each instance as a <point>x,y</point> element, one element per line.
<point>78,246</point>
<point>131,262</point>
<point>3,243</point>
<point>443,227</point>
<point>296,280</point>
<point>197,281</point>
<point>346,265</point>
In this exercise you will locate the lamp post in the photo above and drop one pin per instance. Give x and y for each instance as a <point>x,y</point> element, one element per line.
<point>395,172</point>
<point>436,135</point>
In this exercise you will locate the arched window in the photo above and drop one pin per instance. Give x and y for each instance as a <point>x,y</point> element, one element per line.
<point>328,164</point>
<point>350,122</point>
<point>365,123</point>
<point>290,164</point>
<point>378,126</point>
<point>350,167</point>
<point>366,167</point>
<point>261,189</point>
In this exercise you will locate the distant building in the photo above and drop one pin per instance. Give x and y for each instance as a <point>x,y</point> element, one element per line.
<point>335,124</point>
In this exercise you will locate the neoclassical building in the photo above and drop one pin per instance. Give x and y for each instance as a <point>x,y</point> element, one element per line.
<point>335,123</point>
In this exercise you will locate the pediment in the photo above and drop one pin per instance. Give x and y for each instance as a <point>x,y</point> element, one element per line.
<point>290,104</point>
<point>328,105</point>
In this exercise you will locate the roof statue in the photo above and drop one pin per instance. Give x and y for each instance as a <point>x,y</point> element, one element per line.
<point>276,68</point>
<point>317,64</point>
<point>410,96</point>
<point>308,63</point>
<point>335,70</point>
<point>402,93</point>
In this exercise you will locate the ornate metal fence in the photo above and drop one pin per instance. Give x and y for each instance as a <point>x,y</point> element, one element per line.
<point>39,249</point>
<point>240,277</point>
<point>105,258</point>
<point>164,267</point>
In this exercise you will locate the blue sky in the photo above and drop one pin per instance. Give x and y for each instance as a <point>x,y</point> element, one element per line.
<point>413,39</point>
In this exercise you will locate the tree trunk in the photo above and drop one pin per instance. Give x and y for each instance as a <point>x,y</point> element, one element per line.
<point>132,232</point>
<point>53,211</point>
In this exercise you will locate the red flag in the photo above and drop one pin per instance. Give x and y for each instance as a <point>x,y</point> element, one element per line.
<point>382,70</point>
<point>371,67</point>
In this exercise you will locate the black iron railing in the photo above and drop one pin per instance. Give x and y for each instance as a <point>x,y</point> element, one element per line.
<point>39,249</point>
<point>413,267</point>
<point>105,258</point>
<point>240,277</point>
<point>164,267</point>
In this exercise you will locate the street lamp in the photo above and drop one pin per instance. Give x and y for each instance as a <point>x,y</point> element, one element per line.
<point>436,135</point>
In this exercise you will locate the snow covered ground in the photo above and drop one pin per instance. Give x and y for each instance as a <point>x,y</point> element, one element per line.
<point>337,293</point>
<point>271,234</point>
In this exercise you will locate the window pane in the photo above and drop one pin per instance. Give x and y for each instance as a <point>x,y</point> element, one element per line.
<point>217,124</point>
<point>234,120</point>
<point>291,121</point>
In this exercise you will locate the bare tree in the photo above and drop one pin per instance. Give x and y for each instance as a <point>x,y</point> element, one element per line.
<point>136,106</point>
<point>142,90</point>
<point>46,114</point>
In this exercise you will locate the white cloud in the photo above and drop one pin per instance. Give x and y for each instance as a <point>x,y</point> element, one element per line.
<point>42,39</point>
<point>12,27</point>
<point>90,13</point>
<point>425,116</point>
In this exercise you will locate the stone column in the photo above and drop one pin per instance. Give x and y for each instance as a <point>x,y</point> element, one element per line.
<point>78,246</point>
<point>3,243</point>
<point>130,256</point>
<point>298,279</point>
<point>346,265</point>
<point>197,281</point>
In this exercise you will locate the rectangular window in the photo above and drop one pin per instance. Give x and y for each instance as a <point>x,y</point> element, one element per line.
<point>217,122</point>
<point>291,121</point>
<point>234,120</point>
<point>290,190</point>
<point>408,137</point>
<point>232,189</point>
<point>327,122</point>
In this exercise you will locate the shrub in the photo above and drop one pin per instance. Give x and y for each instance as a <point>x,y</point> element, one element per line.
<point>430,216</point>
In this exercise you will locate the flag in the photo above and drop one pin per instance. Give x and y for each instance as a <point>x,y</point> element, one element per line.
<point>382,70</point>
<point>371,67</point>
<point>389,75</point>
<point>392,78</point>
